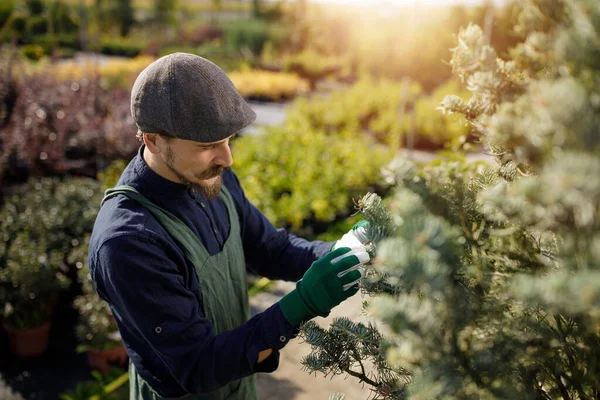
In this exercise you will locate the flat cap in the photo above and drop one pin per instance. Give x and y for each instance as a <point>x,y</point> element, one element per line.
<point>188,97</point>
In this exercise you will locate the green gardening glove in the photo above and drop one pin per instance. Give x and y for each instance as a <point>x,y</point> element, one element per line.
<point>329,281</point>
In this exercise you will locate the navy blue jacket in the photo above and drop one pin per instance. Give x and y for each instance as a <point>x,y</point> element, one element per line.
<point>144,276</point>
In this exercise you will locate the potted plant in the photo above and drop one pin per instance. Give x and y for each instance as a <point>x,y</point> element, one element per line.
<point>42,222</point>
<point>30,284</point>
<point>96,329</point>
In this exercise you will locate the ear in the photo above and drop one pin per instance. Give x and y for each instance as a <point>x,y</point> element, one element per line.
<point>153,142</point>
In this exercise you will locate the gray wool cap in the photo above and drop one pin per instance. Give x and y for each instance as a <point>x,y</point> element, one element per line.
<point>188,97</point>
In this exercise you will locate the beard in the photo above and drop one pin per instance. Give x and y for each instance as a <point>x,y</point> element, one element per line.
<point>208,190</point>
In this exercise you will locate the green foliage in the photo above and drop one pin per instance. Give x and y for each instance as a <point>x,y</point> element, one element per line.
<point>35,7</point>
<point>390,111</point>
<point>33,52</point>
<point>18,24</point>
<point>347,348</point>
<point>369,106</point>
<point>96,328</point>
<point>437,129</point>
<point>122,48</point>
<point>37,25</point>
<point>249,35</point>
<point>110,175</point>
<point>29,281</point>
<point>488,284</point>
<point>96,387</point>
<point>6,10</point>
<point>63,18</point>
<point>312,66</point>
<point>42,226</point>
<point>125,16</point>
<point>338,229</point>
<point>164,11</point>
<point>63,41</point>
<point>291,187</point>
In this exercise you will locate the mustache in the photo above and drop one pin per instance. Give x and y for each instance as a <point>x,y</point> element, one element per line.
<point>217,170</point>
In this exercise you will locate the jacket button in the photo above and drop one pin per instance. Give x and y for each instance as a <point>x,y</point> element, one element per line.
<point>282,339</point>
<point>158,329</point>
<point>203,205</point>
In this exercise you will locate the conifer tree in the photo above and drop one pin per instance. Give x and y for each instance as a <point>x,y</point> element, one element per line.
<point>486,279</point>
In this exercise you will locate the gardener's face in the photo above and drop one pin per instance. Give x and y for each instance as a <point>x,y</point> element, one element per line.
<point>199,165</point>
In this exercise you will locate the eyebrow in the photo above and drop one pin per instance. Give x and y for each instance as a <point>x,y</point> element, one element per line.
<point>216,143</point>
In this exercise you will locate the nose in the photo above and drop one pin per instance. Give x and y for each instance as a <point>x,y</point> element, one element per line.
<point>224,157</point>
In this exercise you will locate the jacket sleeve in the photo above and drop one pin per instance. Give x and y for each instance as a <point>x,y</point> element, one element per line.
<point>270,252</point>
<point>152,303</point>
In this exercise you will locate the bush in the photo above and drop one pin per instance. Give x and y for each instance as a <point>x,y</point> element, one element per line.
<point>369,106</point>
<point>488,278</point>
<point>35,7</point>
<point>203,34</point>
<point>6,10</point>
<point>248,35</point>
<point>375,108</point>
<point>33,52</point>
<point>119,48</point>
<point>65,127</point>
<point>435,129</point>
<point>111,174</point>
<point>43,225</point>
<point>62,40</point>
<point>95,388</point>
<point>19,25</point>
<point>302,176</point>
<point>265,85</point>
<point>113,74</point>
<point>96,328</point>
<point>312,66</point>
<point>63,18</point>
<point>37,25</point>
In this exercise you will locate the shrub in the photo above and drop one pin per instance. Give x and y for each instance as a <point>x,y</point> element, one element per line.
<point>29,280</point>
<point>63,18</point>
<point>6,10</point>
<point>119,48</point>
<point>96,328</point>
<point>35,7</point>
<point>368,106</point>
<point>247,35</point>
<point>65,127</point>
<point>301,176</point>
<point>312,66</point>
<point>37,25</point>
<point>33,52</point>
<point>435,129</point>
<point>62,40</point>
<point>43,223</point>
<point>202,34</point>
<point>96,388</point>
<point>111,174</point>
<point>375,108</point>
<point>265,85</point>
<point>489,277</point>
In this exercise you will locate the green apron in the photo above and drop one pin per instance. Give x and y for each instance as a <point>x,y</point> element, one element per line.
<point>222,278</point>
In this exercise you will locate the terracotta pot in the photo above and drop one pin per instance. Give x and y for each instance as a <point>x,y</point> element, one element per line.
<point>52,302</point>
<point>26,343</point>
<point>104,360</point>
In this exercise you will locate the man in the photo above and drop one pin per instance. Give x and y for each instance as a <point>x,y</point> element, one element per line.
<point>172,242</point>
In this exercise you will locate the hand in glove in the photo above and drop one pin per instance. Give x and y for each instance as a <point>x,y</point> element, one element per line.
<point>356,237</point>
<point>330,280</point>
